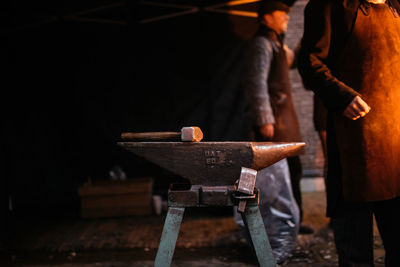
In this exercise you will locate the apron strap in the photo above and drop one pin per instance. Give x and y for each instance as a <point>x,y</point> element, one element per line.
<point>364,7</point>
<point>395,7</point>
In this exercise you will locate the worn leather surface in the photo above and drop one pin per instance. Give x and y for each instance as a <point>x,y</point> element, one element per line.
<point>369,148</point>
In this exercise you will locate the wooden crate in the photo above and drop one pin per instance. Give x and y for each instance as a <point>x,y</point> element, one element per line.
<point>116,198</point>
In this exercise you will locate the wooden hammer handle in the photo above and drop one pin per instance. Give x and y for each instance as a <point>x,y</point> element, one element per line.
<point>150,136</point>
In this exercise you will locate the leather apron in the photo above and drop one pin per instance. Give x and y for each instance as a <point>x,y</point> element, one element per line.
<point>286,123</point>
<point>369,148</point>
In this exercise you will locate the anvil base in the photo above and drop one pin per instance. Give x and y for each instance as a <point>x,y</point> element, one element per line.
<point>208,196</point>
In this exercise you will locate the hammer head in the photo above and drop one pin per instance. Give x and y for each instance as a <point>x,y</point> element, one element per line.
<point>191,134</point>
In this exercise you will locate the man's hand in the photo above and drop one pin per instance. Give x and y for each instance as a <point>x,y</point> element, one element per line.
<point>356,109</point>
<point>289,55</point>
<point>267,131</point>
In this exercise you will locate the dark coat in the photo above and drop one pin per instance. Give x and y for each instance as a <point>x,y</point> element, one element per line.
<point>326,69</point>
<point>327,25</point>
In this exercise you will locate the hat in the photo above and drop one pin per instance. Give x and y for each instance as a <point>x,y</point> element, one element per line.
<point>269,6</point>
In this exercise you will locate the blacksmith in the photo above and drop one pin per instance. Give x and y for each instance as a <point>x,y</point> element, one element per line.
<point>350,58</point>
<point>267,87</point>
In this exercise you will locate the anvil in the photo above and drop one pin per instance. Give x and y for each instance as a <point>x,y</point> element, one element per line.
<point>213,163</point>
<point>212,169</point>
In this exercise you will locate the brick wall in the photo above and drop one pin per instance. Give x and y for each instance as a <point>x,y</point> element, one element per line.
<point>313,159</point>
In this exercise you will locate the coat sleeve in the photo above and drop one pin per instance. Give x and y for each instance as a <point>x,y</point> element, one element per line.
<point>313,58</point>
<point>257,63</point>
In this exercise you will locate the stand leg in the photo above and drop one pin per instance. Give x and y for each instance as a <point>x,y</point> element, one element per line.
<point>169,236</point>
<point>255,225</point>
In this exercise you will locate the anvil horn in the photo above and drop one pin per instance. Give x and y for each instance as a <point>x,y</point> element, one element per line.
<point>213,163</point>
<point>266,154</point>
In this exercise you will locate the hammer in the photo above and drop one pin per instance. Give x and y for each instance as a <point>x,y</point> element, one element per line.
<point>187,134</point>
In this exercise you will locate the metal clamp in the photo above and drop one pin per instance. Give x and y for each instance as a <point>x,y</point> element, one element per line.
<point>245,187</point>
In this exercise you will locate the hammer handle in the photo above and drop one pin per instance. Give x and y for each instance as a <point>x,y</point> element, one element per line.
<point>150,136</point>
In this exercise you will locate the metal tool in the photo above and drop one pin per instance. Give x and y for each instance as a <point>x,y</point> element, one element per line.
<point>213,163</point>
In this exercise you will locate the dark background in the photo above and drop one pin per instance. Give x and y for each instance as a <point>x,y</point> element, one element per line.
<point>78,73</point>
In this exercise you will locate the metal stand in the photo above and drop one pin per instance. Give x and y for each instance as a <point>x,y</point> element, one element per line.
<point>255,225</point>
<point>204,196</point>
<point>169,236</point>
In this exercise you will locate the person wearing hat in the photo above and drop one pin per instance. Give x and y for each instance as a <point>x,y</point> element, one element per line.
<point>267,88</point>
<point>350,58</point>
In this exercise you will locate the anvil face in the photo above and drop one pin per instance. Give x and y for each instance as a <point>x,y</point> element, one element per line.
<point>212,163</point>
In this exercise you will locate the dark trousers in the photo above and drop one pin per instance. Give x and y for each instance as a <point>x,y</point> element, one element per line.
<point>296,172</point>
<point>353,230</point>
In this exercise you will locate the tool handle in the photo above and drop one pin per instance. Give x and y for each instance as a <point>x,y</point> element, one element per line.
<point>150,136</point>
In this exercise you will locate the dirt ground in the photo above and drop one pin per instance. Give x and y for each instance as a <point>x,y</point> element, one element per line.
<point>206,238</point>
